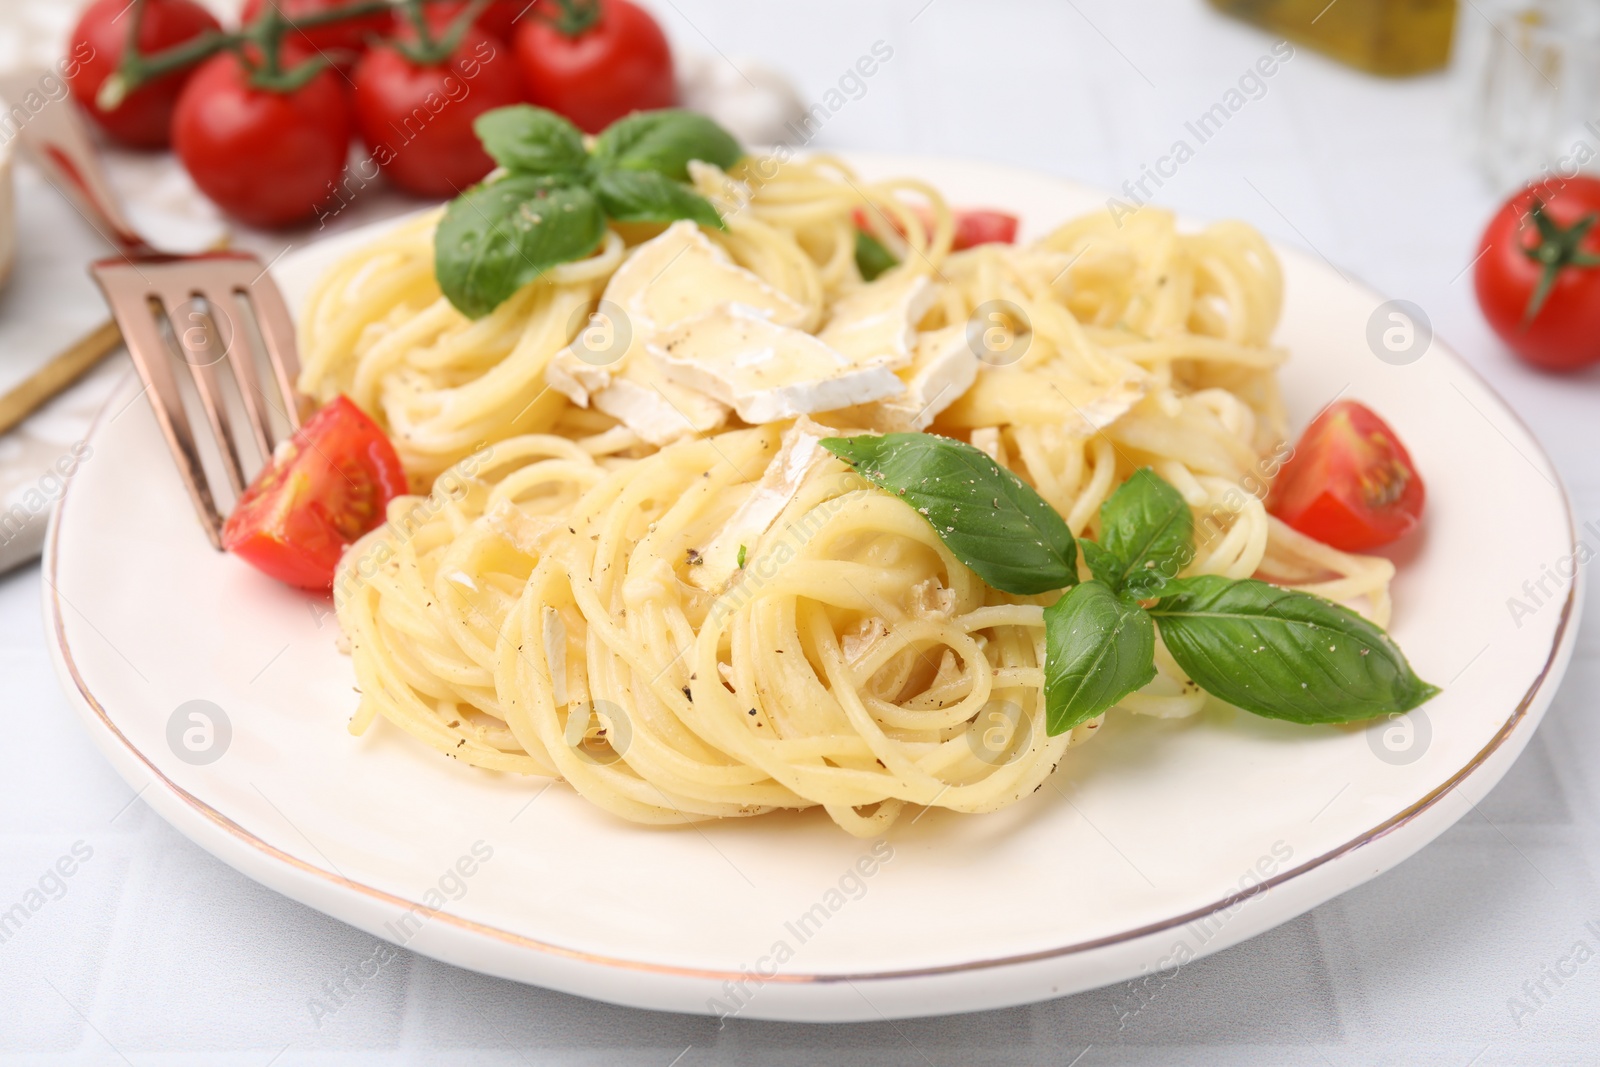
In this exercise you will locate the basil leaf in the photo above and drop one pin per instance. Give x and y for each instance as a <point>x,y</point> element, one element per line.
<point>1102,564</point>
<point>494,239</point>
<point>1099,647</point>
<point>531,140</point>
<point>665,142</point>
<point>1148,527</point>
<point>645,196</point>
<point>872,258</point>
<point>992,520</point>
<point>1283,654</point>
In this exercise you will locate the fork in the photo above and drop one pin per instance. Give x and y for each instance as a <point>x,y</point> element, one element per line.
<point>210,291</point>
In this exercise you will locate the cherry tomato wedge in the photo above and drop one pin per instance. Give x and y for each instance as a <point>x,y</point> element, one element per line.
<point>144,118</point>
<point>329,485</point>
<point>976,226</point>
<point>1349,483</point>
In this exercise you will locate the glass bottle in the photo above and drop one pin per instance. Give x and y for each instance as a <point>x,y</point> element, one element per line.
<point>1390,37</point>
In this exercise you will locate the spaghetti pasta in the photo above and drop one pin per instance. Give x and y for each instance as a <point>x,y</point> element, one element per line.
<point>537,609</point>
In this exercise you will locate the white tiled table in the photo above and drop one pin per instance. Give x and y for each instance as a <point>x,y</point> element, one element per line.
<point>158,953</point>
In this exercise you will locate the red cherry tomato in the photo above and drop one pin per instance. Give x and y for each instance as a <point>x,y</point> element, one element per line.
<point>978,227</point>
<point>975,226</point>
<point>265,157</point>
<point>349,36</point>
<point>416,119</point>
<point>596,73</point>
<point>1538,274</point>
<point>502,17</point>
<point>1349,482</point>
<point>499,19</point>
<point>144,118</point>
<point>316,498</point>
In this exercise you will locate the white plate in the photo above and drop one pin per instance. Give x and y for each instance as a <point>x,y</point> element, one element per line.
<point>1147,848</point>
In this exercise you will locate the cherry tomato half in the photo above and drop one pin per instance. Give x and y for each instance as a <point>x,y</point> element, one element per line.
<point>975,226</point>
<point>417,120</point>
<point>349,36</point>
<point>1538,274</point>
<point>609,60</point>
<point>328,487</point>
<point>1349,483</point>
<point>266,157</point>
<point>144,118</point>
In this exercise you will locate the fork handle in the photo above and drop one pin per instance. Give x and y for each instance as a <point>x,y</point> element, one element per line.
<point>64,368</point>
<point>58,144</point>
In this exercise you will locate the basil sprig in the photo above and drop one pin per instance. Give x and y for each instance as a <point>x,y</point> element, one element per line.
<point>664,142</point>
<point>1099,647</point>
<point>1271,651</point>
<point>551,204</point>
<point>1147,531</point>
<point>494,239</point>
<point>989,518</point>
<point>872,257</point>
<point>1283,654</point>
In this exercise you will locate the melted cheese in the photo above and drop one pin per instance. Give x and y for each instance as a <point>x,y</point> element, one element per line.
<point>1054,394</point>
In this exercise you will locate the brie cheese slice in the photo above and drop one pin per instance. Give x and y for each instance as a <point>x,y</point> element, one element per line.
<point>765,371</point>
<point>879,320</point>
<point>799,453</point>
<point>674,276</point>
<point>943,368</point>
<point>656,409</point>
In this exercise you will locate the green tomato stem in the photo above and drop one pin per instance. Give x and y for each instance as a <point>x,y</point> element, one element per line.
<point>574,18</point>
<point>431,51</point>
<point>265,35</point>
<point>1556,249</point>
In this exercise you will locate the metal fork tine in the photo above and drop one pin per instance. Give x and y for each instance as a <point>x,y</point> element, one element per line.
<point>202,351</point>
<point>241,359</point>
<point>278,332</point>
<point>216,282</point>
<point>131,307</point>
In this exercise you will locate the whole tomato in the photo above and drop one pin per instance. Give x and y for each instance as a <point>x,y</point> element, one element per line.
<point>596,61</point>
<point>499,19</point>
<point>266,156</point>
<point>1538,274</point>
<point>144,117</point>
<point>343,37</point>
<point>415,110</point>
